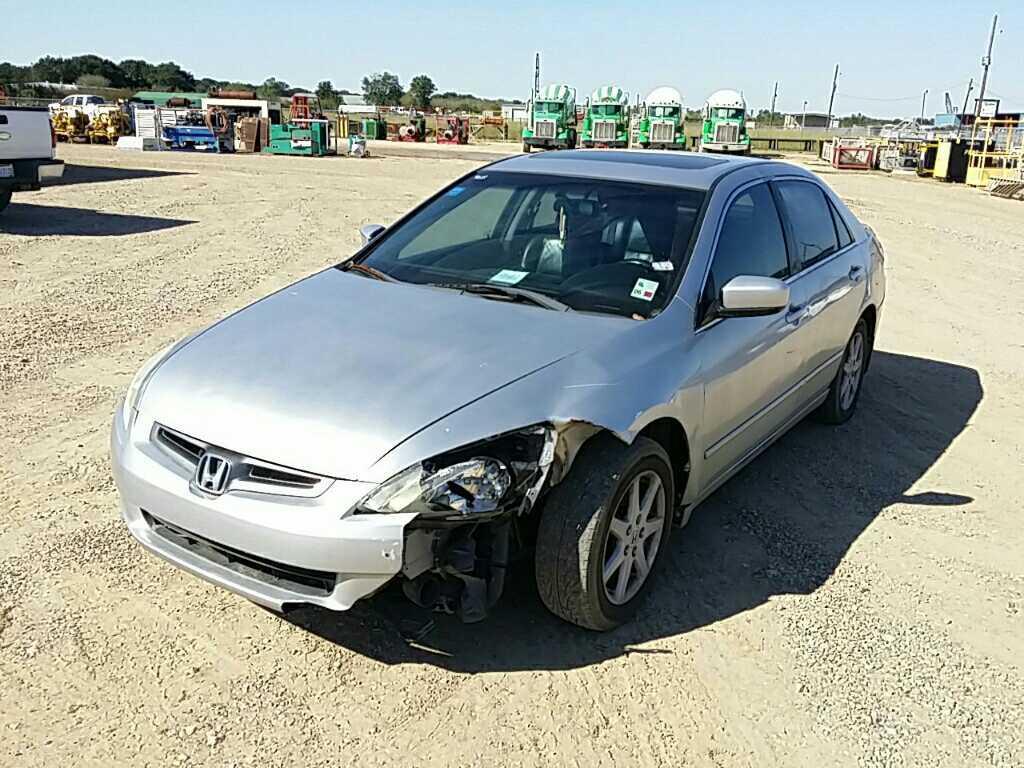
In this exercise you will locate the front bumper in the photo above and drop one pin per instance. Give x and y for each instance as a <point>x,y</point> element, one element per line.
<point>714,146</point>
<point>533,141</point>
<point>272,549</point>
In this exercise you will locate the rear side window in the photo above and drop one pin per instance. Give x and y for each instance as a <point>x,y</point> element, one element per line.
<point>750,243</point>
<point>843,232</point>
<point>810,218</point>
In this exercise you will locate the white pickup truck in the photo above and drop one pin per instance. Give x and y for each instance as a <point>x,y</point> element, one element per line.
<point>27,151</point>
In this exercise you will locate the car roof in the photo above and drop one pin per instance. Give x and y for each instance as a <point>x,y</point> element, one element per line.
<point>682,169</point>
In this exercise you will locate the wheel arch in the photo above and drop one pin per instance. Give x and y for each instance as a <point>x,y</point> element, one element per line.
<point>670,434</point>
<point>870,318</point>
<point>666,431</point>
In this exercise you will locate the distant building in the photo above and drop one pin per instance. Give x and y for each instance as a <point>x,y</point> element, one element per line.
<point>349,104</point>
<point>796,121</point>
<point>160,98</point>
<point>515,113</point>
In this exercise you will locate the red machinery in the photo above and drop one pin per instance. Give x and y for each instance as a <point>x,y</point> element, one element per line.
<point>453,130</point>
<point>414,130</point>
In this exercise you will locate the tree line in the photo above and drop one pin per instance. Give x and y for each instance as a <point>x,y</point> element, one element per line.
<point>91,71</point>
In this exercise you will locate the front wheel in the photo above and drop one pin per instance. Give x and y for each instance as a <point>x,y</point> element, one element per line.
<point>603,530</point>
<point>526,148</point>
<point>5,199</point>
<point>844,391</point>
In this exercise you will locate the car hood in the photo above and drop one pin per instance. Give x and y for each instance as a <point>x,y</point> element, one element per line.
<point>333,372</point>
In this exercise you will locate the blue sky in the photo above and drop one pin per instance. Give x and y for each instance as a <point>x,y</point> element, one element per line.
<point>888,52</point>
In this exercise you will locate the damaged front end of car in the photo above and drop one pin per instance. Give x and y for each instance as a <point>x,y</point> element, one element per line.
<point>472,510</point>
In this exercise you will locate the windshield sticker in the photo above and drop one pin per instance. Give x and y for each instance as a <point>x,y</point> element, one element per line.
<point>663,266</point>
<point>644,289</point>
<point>456,191</point>
<point>508,277</point>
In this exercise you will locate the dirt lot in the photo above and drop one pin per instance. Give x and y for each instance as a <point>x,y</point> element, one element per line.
<point>855,597</point>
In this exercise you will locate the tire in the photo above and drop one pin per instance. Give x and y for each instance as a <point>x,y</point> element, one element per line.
<point>526,148</point>
<point>575,540</point>
<point>5,199</point>
<point>844,392</point>
<point>571,143</point>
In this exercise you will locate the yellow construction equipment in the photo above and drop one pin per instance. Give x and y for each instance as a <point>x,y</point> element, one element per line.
<point>997,151</point>
<point>107,126</point>
<point>70,125</point>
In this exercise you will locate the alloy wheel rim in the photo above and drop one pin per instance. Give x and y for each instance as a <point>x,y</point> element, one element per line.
<point>634,536</point>
<point>851,371</point>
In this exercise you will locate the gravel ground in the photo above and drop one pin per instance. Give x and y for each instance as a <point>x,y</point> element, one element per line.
<point>853,598</point>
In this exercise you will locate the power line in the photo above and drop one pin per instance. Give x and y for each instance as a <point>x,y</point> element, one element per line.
<point>876,98</point>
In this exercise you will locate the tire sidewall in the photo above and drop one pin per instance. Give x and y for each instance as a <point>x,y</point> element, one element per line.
<point>643,462</point>
<point>862,329</point>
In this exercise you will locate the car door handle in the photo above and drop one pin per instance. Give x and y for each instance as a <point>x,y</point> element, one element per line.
<point>856,273</point>
<point>796,313</point>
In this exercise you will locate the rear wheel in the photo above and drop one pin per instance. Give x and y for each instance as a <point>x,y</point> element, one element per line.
<point>844,392</point>
<point>5,199</point>
<point>603,530</point>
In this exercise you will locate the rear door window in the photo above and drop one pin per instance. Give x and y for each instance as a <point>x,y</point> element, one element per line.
<point>810,219</point>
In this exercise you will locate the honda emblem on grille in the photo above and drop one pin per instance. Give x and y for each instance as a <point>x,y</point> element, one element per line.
<point>212,474</point>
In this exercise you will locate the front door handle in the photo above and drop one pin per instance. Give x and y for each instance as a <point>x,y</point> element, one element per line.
<point>856,273</point>
<point>796,313</point>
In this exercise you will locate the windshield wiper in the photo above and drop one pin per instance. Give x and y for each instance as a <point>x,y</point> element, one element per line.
<point>363,269</point>
<point>513,292</point>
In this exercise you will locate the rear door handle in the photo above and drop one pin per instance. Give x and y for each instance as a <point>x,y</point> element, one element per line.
<point>856,273</point>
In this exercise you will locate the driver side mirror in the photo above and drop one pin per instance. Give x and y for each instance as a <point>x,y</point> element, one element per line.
<point>370,231</point>
<point>749,296</point>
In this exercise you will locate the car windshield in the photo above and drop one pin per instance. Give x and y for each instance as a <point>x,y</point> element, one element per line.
<point>606,110</point>
<point>549,106</point>
<point>729,114</point>
<point>664,111</point>
<point>593,245</point>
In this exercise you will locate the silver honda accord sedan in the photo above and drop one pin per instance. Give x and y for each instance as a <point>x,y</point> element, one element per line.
<point>550,361</point>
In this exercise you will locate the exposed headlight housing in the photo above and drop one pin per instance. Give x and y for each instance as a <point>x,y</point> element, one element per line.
<point>131,398</point>
<point>478,481</point>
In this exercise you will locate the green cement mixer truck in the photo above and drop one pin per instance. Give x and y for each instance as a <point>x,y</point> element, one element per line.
<point>606,122</point>
<point>725,124</point>
<point>661,120</point>
<point>552,121</point>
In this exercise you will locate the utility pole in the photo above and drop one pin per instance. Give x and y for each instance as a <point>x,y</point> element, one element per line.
<point>967,98</point>
<point>963,112</point>
<point>771,112</point>
<point>832,97</point>
<point>536,73</point>
<point>924,98</point>
<point>803,120</point>
<point>986,61</point>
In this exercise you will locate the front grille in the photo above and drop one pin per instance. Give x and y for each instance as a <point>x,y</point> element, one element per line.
<point>262,473</point>
<point>246,473</point>
<point>604,130</point>
<point>663,132</point>
<point>185,447</point>
<point>293,578</point>
<point>544,129</point>
<point>726,133</point>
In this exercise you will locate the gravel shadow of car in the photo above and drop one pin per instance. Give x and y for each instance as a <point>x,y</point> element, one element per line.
<point>92,174</point>
<point>37,220</point>
<point>782,526</point>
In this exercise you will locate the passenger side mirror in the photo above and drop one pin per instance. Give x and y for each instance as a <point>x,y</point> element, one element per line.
<point>370,231</point>
<point>749,296</point>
